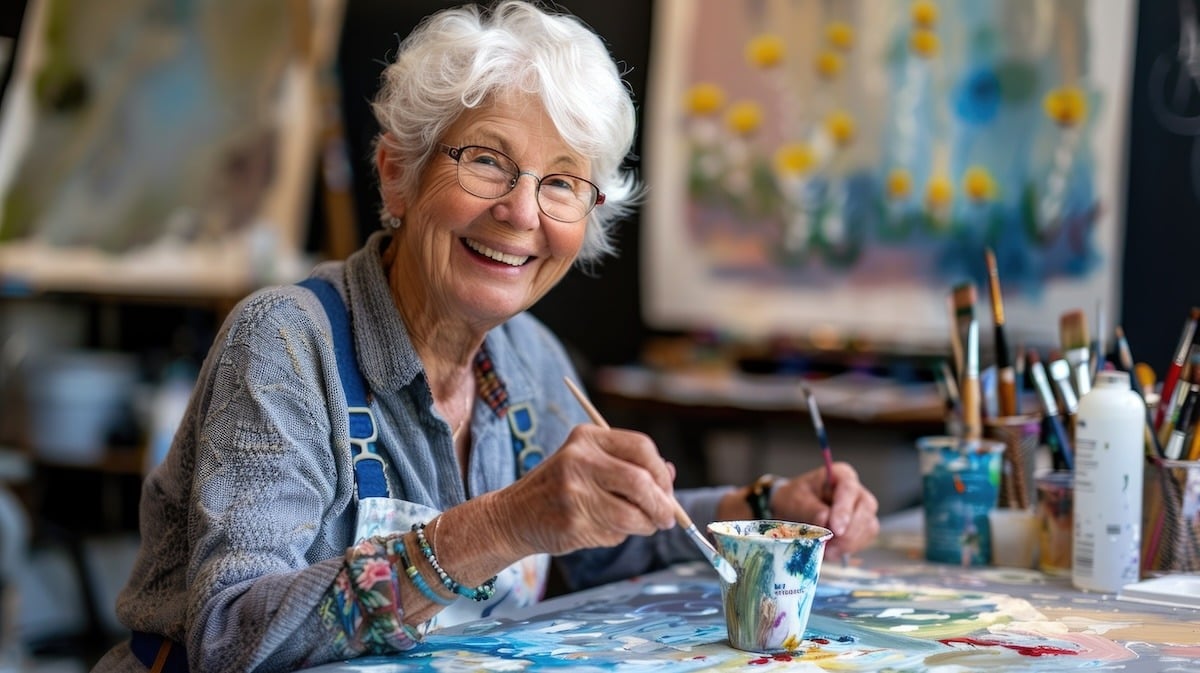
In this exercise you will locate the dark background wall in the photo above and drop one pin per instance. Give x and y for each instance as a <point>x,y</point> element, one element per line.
<point>1161,271</point>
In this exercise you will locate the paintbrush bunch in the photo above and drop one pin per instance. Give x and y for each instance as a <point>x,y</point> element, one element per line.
<point>1176,406</point>
<point>1171,539</point>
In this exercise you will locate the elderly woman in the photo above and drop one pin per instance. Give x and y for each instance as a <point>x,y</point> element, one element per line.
<point>390,445</point>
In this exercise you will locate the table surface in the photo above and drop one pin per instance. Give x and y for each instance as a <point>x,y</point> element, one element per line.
<point>888,609</point>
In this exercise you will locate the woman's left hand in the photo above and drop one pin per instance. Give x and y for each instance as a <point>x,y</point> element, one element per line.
<point>850,510</point>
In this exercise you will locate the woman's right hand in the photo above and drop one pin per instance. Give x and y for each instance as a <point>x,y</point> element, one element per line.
<point>600,487</point>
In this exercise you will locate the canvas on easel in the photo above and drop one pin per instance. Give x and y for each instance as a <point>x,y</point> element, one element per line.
<point>837,167</point>
<point>162,148</point>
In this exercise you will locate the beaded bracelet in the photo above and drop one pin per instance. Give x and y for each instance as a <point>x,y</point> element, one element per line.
<point>414,575</point>
<point>480,593</point>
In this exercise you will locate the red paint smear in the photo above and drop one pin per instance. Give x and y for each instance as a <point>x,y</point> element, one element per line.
<point>762,661</point>
<point>821,641</point>
<point>1023,650</point>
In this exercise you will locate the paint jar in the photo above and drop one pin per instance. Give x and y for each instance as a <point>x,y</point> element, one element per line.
<point>1055,521</point>
<point>778,564</point>
<point>1021,435</point>
<point>1014,537</point>
<point>960,484</point>
<point>1171,541</point>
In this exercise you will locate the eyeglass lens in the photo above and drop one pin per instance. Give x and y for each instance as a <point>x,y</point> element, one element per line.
<point>490,174</point>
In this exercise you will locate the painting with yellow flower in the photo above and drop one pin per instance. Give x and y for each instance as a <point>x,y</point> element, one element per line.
<point>818,164</point>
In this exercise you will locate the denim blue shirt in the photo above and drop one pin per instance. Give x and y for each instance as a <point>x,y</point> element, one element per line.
<point>245,523</point>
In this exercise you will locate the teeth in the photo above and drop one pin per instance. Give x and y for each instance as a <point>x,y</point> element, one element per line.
<point>511,260</point>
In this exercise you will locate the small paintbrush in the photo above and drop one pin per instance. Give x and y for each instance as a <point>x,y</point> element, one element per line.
<point>1073,335</point>
<point>826,452</point>
<point>1060,374</point>
<point>1050,407</point>
<point>723,567</point>
<point>1177,363</point>
<point>1006,383</point>
<point>1125,357</point>
<point>822,440</point>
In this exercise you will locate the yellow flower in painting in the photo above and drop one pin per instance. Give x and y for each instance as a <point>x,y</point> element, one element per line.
<point>899,183</point>
<point>829,64</point>
<point>744,118</point>
<point>840,126</point>
<point>924,43</point>
<point>793,159</point>
<point>705,99</point>
<point>924,13</point>
<point>840,35</point>
<point>765,51</point>
<point>1067,106</point>
<point>978,184</point>
<point>938,192</point>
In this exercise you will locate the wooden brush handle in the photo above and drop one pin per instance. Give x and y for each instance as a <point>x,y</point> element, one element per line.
<point>1006,391</point>
<point>972,415</point>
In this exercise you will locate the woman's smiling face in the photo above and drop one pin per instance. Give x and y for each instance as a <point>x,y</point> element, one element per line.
<point>488,259</point>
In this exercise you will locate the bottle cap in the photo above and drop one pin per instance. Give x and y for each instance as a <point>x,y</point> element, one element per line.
<point>1112,377</point>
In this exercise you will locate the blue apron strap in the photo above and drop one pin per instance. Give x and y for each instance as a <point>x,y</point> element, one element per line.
<point>158,653</point>
<point>368,462</point>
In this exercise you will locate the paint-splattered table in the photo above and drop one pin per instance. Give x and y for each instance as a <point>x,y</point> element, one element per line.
<point>887,610</point>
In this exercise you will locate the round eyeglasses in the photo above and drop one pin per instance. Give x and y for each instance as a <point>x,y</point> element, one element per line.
<point>490,174</point>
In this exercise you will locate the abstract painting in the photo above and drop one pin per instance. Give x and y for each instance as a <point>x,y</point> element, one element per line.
<point>841,165</point>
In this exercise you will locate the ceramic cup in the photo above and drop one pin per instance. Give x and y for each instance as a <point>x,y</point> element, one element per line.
<point>777,563</point>
<point>960,485</point>
<point>1014,537</point>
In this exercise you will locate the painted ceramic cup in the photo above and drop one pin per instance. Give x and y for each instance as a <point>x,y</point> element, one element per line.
<point>778,563</point>
<point>960,484</point>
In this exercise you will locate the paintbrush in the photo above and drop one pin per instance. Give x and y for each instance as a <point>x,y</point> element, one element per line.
<point>822,440</point>
<point>1098,346</point>
<point>949,388</point>
<point>1179,416</point>
<point>1172,376</point>
<point>1006,376</point>
<point>970,391</point>
<point>1060,375</point>
<point>826,452</point>
<point>1125,357</point>
<point>1175,404</point>
<point>1073,335</point>
<point>723,567</point>
<point>962,303</point>
<point>1050,408</point>
<point>1183,423</point>
<point>956,345</point>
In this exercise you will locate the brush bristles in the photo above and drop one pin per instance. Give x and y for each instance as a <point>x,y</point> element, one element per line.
<point>1073,330</point>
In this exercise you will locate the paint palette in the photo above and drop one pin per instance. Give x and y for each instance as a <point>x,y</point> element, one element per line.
<point>1173,590</point>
